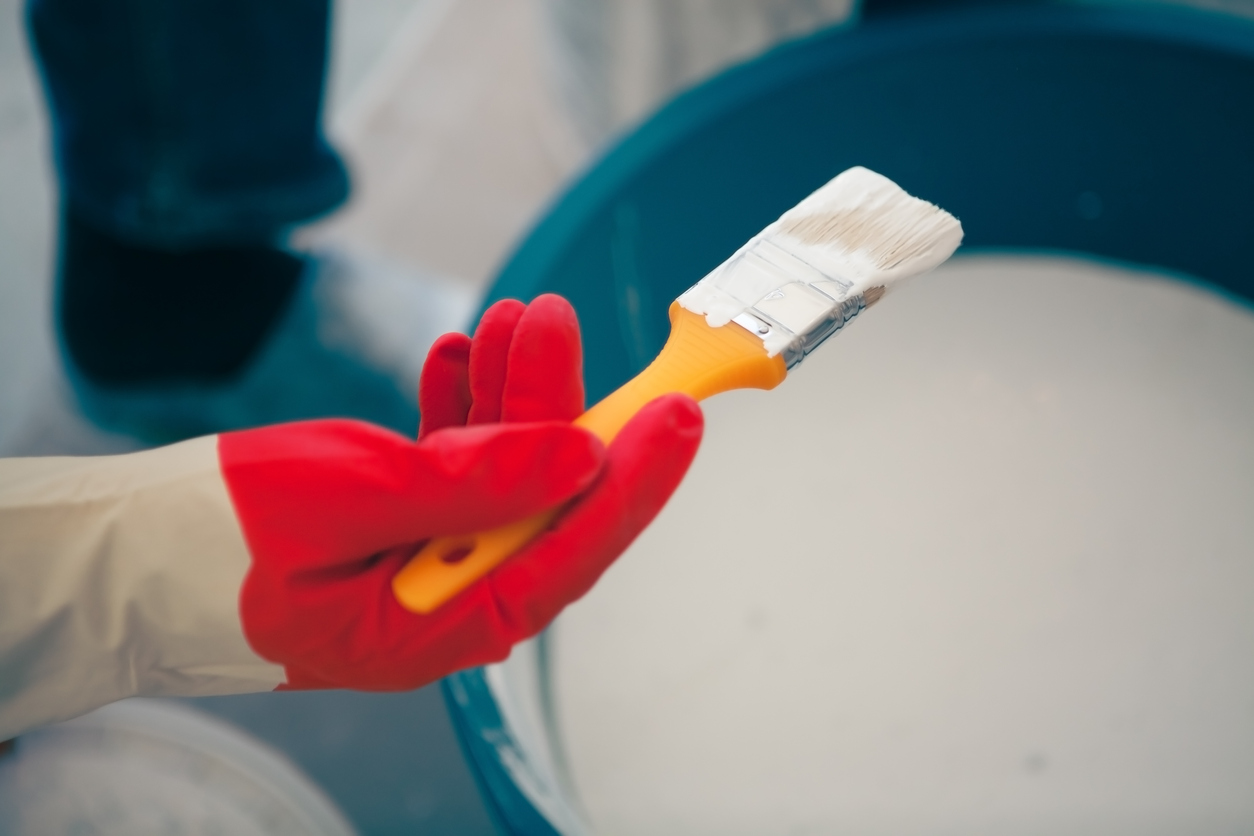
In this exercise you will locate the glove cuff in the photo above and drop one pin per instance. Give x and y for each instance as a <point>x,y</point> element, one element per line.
<point>122,578</point>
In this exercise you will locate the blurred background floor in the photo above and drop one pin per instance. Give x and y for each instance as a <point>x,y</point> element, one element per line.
<point>442,109</point>
<point>455,144</point>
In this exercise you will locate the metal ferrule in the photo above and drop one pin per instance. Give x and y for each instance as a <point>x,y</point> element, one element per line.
<point>805,321</point>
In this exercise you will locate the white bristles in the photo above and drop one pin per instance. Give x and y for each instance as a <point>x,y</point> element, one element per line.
<point>860,232</point>
<point>869,222</point>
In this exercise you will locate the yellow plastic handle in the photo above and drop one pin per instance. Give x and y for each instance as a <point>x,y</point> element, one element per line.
<point>697,360</point>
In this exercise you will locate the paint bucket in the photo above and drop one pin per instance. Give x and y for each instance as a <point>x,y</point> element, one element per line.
<point>157,766</point>
<point>1110,131</point>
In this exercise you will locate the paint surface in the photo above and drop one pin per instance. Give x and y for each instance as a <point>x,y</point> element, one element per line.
<point>982,564</point>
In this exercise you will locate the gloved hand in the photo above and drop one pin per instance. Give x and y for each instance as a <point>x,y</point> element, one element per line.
<point>331,510</point>
<point>263,558</point>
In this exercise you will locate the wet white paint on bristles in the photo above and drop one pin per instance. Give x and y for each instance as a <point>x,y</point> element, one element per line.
<point>885,226</point>
<point>858,231</point>
<point>981,566</point>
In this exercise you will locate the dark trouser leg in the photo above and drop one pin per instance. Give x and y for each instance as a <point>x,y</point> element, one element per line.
<point>187,140</point>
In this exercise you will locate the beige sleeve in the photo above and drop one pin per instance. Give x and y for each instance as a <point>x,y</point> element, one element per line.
<point>119,576</point>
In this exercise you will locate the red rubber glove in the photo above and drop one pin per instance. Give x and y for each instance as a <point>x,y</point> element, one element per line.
<point>331,510</point>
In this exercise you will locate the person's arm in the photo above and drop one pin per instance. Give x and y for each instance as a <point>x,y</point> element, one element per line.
<point>264,558</point>
<point>119,575</point>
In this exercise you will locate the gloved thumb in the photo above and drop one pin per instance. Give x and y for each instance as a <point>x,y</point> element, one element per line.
<point>645,464</point>
<point>335,491</point>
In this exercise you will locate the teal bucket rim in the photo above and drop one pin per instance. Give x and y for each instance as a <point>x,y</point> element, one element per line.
<point>484,734</point>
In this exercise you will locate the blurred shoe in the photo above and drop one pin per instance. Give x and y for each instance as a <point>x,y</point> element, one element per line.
<point>350,343</point>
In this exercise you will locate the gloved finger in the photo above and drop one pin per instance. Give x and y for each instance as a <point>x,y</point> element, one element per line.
<point>380,645</point>
<point>394,649</point>
<point>478,627</point>
<point>645,464</point>
<point>444,387</point>
<point>489,359</point>
<point>544,378</point>
<point>335,492</point>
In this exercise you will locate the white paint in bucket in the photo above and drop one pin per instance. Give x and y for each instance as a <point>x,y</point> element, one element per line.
<point>983,564</point>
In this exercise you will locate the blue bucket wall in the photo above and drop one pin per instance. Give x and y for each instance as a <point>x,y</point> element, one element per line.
<point>1125,133</point>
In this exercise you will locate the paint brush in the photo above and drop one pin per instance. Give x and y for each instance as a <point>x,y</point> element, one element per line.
<point>744,326</point>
